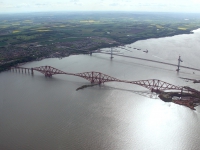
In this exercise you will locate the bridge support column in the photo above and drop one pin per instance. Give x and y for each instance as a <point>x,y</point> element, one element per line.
<point>48,74</point>
<point>100,78</point>
<point>111,53</point>
<point>92,77</point>
<point>179,60</point>
<point>157,91</point>
<point>181,92</point>
<point>32,71</point>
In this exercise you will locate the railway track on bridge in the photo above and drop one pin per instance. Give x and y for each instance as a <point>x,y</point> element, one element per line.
<point>154,85</point>
<point>100,78</point>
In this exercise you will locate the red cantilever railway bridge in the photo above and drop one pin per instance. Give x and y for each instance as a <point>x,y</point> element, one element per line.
<point>98,77</point>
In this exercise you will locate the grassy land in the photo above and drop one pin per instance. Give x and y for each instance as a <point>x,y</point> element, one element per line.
<point>42,34</point>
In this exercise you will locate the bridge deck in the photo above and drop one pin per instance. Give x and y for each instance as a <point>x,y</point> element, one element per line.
<point>98,77</point>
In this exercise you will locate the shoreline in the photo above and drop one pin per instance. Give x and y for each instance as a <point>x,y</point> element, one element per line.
<point>12,63</point>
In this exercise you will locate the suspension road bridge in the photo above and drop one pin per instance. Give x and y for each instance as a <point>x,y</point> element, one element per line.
<point>144,59</point>
<point>100,78</point>
<point>150,60</point>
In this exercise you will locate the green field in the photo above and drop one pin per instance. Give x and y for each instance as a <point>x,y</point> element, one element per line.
<point>37,35</point>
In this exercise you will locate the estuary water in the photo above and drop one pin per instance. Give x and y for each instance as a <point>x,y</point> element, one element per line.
<point>39,113</point>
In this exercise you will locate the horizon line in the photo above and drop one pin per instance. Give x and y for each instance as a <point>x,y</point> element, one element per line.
<point>66,11</point>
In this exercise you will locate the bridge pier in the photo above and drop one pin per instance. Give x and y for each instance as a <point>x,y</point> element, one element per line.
<point>48,75</point>
<point>32,71</point>
<point>92,81</point>
<point>157,91</point>
<point>100,80</point>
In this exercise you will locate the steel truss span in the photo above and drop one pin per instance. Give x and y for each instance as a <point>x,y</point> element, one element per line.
<point>97,77</point>
<point>154,85</point>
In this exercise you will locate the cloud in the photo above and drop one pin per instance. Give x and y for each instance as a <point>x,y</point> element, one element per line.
<point>74,1</point>
<point>114,4</point>
<point>136,5</point>
<point>196,1</point>
<point>22,5</point>
<point>127,1</point>
<point>41,4</point>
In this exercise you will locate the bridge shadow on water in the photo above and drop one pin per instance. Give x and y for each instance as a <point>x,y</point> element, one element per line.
<point>145,93</point>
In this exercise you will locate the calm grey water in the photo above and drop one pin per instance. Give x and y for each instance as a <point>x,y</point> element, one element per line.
<point>38,113</point>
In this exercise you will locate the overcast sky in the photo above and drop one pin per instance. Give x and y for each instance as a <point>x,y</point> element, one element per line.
<point>99,5</point>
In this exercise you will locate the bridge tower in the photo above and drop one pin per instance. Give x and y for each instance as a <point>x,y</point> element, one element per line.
<point>111,53</point>
<point>92,81</point>
<point>179,60</point>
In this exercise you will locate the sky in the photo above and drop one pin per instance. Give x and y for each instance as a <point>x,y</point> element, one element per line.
<point>13,6</point>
